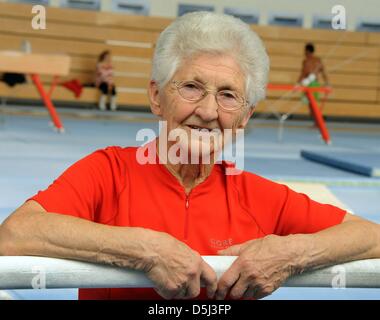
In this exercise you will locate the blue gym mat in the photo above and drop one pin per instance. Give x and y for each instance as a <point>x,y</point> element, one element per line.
<point>363,163</point>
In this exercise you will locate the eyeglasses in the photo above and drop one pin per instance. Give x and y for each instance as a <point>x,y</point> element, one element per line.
<point>195,92</point>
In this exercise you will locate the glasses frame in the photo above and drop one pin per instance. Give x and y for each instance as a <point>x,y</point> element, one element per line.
<point>180,84</point>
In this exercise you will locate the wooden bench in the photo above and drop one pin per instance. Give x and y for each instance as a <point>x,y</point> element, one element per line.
<point>352,59</point>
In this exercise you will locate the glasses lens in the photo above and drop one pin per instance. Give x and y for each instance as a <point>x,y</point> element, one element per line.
<point>190,91</point>
<point>229,100</point>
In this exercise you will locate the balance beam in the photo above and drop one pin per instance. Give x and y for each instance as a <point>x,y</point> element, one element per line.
<point>313,105</point>
<point>36,65</point>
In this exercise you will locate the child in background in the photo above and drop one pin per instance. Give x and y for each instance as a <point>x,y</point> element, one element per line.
<point>104,81</point>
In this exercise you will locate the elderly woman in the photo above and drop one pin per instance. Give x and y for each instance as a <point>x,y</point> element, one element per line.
<point>209,71</point>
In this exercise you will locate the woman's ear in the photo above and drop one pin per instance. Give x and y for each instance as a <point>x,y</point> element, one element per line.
<point>154,98</point>
<point>246,117</point>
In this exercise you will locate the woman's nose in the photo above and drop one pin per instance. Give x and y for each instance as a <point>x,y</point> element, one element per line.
<point>207,108</point>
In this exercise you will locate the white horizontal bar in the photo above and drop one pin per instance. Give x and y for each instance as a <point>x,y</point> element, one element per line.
<point>133,74</point>
<point>41,272</point>
<point>122,43</point>
<point>131,90</point>
<point>133,59</point>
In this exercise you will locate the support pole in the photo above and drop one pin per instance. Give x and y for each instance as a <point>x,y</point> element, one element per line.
<point>318,116</point>
<point>47,101</point>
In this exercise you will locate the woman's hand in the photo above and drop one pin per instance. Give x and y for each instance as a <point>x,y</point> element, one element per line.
<point>261,267</point>
<point>178,271</point>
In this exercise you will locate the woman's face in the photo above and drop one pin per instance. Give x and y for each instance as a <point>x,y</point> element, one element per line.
<point>215,72</point>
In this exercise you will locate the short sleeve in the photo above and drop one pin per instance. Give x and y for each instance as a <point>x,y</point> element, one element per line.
<point>279,210</point>
<point>300,214</point>
<point>86,189</point>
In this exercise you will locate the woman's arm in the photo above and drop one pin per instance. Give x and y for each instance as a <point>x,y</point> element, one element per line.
<point>30,230</point>
<point>264,264</point>
<point>354,239</point>
<point>175,268</point>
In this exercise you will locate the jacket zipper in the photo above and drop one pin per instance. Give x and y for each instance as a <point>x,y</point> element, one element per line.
<point>187,204</point>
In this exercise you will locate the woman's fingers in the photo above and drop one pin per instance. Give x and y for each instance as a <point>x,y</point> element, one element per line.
<point>192,288</point>
<point>209,279</point>
<point>226,282</point>
<point>239,288</point>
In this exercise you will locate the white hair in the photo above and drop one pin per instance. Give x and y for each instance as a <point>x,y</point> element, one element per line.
<point>207,32</point>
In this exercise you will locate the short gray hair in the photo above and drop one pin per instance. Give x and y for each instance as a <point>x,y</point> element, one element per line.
<point>207,32</point>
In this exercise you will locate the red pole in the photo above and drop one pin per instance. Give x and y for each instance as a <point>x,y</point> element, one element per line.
<point>53,85</point>
<point>49,105</point>
<point>317,115</point>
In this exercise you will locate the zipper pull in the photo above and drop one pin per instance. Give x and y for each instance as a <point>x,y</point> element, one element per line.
<point>187,203</point>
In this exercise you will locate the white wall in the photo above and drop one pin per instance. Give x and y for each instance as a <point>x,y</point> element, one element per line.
<point>355,9</point>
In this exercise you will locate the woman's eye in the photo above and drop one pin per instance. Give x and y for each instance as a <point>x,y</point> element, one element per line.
<point>228,95</point>
<point>191,86</point>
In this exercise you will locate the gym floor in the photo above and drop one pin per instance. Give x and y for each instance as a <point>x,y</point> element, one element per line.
<point>33,155</point>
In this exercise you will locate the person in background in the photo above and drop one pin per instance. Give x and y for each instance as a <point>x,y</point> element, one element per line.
<point>104,81</point>
<point>312,67</point>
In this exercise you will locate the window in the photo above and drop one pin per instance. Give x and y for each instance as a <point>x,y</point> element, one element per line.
<point>322,22</point>
<point>248,16</point>
<point>286,20</point>
<point>186,8</point>
<point>137,7</point>
<point>43,2</point>
<point>81,4</point>
<point>369,26</point>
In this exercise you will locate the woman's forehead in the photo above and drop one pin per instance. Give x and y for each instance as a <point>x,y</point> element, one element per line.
<point>212,69</point>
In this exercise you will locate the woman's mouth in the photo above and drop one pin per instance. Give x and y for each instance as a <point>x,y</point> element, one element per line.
<point>193,127</point>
